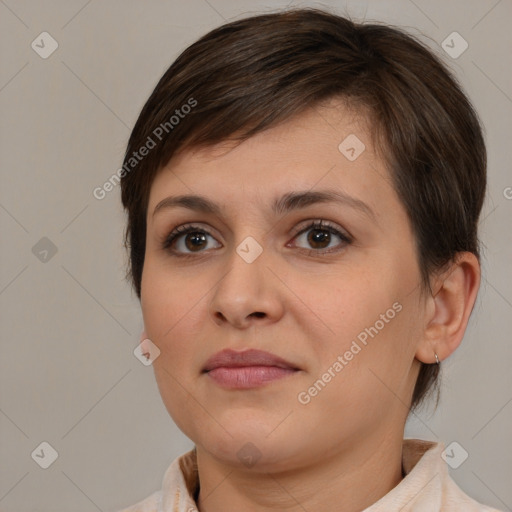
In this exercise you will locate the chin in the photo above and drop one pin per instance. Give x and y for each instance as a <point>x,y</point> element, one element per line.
<point>253,448</point>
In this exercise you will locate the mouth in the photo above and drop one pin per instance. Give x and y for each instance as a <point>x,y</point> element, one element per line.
<point>247,369</point>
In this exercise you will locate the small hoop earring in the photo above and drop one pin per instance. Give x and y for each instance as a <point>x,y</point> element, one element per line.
<point>437,359</point>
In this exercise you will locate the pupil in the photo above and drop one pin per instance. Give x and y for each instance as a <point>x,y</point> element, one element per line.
<point>319,236</point>
<point>194,240</point>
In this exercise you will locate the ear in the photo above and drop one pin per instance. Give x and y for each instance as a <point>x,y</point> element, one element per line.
<point>143,335</point>
<point>449,308</point>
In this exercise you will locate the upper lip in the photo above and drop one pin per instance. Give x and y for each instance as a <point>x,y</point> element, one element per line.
<point>232,359</point>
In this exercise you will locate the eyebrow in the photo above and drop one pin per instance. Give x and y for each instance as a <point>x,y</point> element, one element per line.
<point>285,204</point>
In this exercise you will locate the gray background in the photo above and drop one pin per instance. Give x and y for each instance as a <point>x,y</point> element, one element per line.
<point>70,324</point>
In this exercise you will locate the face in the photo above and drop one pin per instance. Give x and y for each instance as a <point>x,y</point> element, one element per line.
<point>303,251</point>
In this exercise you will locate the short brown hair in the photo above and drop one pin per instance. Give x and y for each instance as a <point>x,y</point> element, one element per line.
<point>251,74</point>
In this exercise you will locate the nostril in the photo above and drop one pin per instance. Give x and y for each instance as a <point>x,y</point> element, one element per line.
<point>258,314</point>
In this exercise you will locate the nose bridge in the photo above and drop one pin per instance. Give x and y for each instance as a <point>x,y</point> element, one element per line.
<point>245,275</point>
<point>246,290</point>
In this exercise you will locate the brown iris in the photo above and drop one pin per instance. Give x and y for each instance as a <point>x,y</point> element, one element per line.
<point>195,240</point>
<point>319,236</point>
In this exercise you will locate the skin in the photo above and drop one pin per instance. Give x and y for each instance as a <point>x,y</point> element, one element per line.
<point>347,440</point>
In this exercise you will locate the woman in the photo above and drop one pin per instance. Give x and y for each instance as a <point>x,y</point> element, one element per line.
<point>303,194</point>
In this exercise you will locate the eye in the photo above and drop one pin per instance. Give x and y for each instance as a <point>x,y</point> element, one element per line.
<point>320,235</point>
<point>187,239</point>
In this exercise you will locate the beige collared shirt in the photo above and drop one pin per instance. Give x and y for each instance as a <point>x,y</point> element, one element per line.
<point>427,486</point>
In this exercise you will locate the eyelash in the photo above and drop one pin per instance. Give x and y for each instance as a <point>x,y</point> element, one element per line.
<point>191,228</point>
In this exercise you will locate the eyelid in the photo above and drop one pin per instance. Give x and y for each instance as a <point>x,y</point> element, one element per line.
<point>324,224</point>
<point>182,230</point>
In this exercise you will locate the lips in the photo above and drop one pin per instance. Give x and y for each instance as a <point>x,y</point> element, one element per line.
<point>232,359</point>
<point>247,369</point>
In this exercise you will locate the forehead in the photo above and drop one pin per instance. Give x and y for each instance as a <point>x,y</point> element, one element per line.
<point>328,145</point>
<point>331,117</point>
<point>320,125</point>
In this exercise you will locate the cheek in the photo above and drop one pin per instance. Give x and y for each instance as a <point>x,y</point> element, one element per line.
<point>368,318</point>
<point>363,373</point>
<point>170,307</point>
<point>166,298</point>
<point>349,303</point>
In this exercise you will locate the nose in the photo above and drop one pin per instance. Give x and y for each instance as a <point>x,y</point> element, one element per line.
<point>247,294</point>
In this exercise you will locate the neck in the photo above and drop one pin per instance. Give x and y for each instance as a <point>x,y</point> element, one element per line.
<point>349,480</point>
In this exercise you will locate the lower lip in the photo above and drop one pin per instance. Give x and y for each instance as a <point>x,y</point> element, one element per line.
<point>248,376</point>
